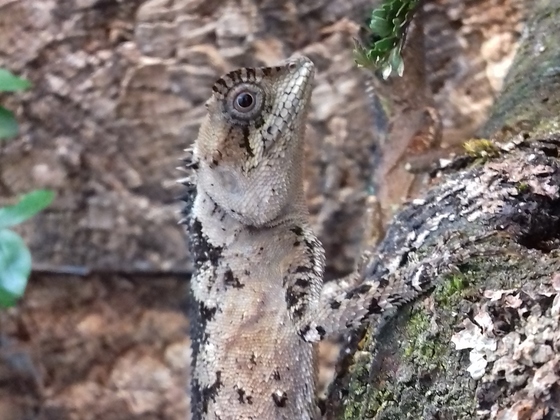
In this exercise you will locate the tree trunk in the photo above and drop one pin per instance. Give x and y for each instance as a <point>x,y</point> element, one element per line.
<point>486,342</point>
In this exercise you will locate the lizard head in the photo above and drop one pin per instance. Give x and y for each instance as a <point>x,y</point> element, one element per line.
<point>249,151</point>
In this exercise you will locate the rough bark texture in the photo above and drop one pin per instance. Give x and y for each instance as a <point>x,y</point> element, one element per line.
<point>118,93</point>
<point>486,343</point>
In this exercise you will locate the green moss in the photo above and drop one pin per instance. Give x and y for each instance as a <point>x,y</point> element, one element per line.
<point>372,402</point>
<point>367,399</point>
<point>418,323</point>
<point>481,148</point>
<point>451,290</point>
<point>359,385</point>
<point>421,347</point>
<point>522,187</point>
<point>424,349</point>
<point>416,362</point>
<point>424,354</point>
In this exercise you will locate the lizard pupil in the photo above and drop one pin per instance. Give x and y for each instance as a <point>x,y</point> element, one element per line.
<point>244,101</point>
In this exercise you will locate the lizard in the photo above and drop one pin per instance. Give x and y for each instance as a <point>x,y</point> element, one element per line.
<point>257,300</point>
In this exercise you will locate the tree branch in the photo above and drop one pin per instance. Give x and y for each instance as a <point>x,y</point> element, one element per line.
<point>485,343</point>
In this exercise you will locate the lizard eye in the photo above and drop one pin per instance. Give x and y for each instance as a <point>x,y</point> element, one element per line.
<point>244,102</point>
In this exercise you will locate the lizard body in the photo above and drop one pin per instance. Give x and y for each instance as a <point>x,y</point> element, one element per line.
<point>257,297</point>
<point>249,225</point>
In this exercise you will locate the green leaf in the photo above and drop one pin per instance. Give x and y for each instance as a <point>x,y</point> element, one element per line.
<point>386,71</point>
<point>15,267</point>
<point>396,61</point>
<point>380,26</point>
<point>29,205</point>
<point>11,83</point>
<point>384,44</point>
<point>398,23</point>
<point>8,124</point>
<point>379,13</point>
<point>388,24</point>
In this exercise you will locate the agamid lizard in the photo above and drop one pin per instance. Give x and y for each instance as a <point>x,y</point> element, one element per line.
<point>257,297</point>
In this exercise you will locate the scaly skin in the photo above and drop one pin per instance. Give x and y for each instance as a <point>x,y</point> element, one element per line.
<point>257,297</point>
<point>248,233</point>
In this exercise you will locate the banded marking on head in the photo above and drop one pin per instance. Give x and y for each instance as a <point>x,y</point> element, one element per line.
<point>250,145</point>
<point>258,106</point>
<point>252,75</point>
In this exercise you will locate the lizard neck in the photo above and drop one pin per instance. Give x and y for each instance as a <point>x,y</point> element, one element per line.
<point>222,228</point>
<point>247,358</point>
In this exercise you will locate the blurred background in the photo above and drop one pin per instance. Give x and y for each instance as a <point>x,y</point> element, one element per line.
<point>117,94</point>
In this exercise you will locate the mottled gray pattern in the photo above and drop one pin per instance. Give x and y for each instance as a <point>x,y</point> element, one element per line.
<point>257,295</point>
<point>246,234</point>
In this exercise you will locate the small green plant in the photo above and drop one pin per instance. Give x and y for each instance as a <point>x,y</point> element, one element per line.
<point>10,83</point>
<point>478,148</point>
<point>15,258</point>
<point>387,33</point>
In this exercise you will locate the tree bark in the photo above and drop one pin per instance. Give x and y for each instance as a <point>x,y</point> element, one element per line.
<point>486,342</point>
